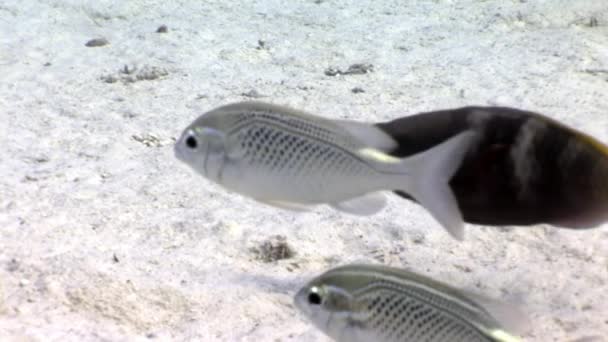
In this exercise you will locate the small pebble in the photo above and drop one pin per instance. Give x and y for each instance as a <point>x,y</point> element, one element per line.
<point>109,78</point>
<point>417,238</point>
<point>128,70</point>
<point>593,22</point>
<point>162,29</point>
<point>253,94</point>
<point>357,90</point>
<point>12,265</point>
<point>332,72</point>
<point>261,44</point>
<point>359,68</point>
<point>97,42</point>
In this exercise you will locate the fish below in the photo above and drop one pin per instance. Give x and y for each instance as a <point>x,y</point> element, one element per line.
<point>361,303</point>
<point>524,169</point>
<point>295,160</point>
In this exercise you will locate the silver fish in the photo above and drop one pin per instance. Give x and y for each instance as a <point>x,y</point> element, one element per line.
<point>360,303</point>
<point>295,160</point>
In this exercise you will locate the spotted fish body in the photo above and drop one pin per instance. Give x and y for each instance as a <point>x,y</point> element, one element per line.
<point>524,169</point>
<point>279,152</point>
<point>358,303</point>
<point>295,160</point>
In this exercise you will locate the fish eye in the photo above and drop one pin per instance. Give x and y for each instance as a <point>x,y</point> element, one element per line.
<point>314,298</point>
<point>191,142</point>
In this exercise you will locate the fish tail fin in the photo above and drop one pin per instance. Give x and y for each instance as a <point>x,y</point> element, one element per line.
<point>429,174</point>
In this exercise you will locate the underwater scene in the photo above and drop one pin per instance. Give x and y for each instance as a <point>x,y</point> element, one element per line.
<point>306,170</point>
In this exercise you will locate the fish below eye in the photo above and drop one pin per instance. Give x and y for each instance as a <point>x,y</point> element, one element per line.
<point>191,142</point>
<point>314,298</point>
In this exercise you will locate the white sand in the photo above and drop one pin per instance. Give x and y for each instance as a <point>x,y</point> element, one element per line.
<point>77,188</point>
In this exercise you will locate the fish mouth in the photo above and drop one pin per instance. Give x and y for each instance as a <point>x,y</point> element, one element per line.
<point>177,152</point>
<point>298,300</point>
<point>180,150</point>
<point>205,162</point>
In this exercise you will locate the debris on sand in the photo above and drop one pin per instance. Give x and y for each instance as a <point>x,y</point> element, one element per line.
<point>134,74</point>
<point>354,69</point>
<point>273,249</point>
<point>152,140</point>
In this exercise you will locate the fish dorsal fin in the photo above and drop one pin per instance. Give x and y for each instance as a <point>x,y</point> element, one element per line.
<point>369,135</point>
<point>365,205</point>
<point>510,316</point>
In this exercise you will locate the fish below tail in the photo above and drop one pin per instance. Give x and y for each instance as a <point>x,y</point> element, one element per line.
<point>428,177</point>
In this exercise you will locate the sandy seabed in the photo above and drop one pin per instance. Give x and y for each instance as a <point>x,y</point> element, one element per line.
<point>105,236</point>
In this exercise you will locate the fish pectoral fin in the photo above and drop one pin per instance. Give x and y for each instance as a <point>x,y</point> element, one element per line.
<point>233,148</point>
<point>369,135</point>
<point>365,205</point>
<point>288,205</point>
<point>503,336</point>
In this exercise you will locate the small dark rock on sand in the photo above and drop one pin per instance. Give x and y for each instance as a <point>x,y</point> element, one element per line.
<point>12,265</point>
<point>96,42</point>
<point>261,45</point>
<point>593,22</point>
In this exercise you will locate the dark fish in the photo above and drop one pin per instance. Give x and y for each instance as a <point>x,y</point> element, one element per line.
<point>525,168</point>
